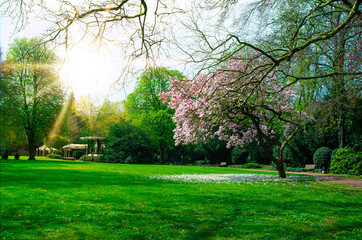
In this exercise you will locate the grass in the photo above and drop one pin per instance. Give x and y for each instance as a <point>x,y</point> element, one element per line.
<point>56,199</point>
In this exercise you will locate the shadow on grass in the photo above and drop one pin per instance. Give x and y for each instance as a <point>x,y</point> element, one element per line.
<point>55,201</point>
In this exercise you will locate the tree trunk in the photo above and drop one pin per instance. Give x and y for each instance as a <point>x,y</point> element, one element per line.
<point>341,132</point>
<point>31,144</point>
<point>32,150</point>
<point>162,155</point>
<point>340,86</point>
<point>279,165</point>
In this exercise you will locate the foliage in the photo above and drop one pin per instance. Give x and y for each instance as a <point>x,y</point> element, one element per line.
<point>240,107</point>
<point>78,154</point>
<point>58,141</point>
<point>347,161</point>
<point>56,151</point>
<point>302,147</point>
<point>251,165</point>
<point>32,96</point>
<point>55,156</point>
<point>4,155</point>
<point>145,110</point>
<point>86,158</point>
<point>127,144</point>
<point>322,157</point>
<point>238,155</point>
<point>216,151</point>
<point>96,120</point>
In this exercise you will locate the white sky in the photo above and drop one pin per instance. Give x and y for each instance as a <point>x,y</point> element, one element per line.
<point>86,71</point>
<point>92,71</point>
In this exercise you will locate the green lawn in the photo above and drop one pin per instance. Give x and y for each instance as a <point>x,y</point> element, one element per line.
<point>50,199</point>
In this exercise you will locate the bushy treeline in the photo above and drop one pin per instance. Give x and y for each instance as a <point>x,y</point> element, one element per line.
<point>129,144</point>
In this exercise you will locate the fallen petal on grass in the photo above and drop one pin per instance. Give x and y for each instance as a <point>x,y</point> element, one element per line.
<point>234,178</point>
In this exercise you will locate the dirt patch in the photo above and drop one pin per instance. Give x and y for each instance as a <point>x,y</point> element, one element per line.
<point>353,182</point>
<point>342,180</point>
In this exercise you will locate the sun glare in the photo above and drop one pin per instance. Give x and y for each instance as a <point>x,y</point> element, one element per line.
<point>86,70</point>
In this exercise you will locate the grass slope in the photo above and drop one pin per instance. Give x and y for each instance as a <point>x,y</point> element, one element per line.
<point>48,199</point>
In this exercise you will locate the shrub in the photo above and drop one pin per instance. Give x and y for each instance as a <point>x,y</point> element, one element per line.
<point>322,157</point>
<point>55,156</point>
<point>347,161</point>
<point>334,152</point>
<point>57,152</point>
<point>251,165</point>
<point>239,155</point>
<point>78,154</point>
<point>16,156</point>
<point>293,169</point>
<point>127,144</point>
<point>4,155</point>
<point>86,158</point>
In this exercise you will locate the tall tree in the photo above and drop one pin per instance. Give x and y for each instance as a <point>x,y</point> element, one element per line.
<point>235,105</point>
<point>146,110</point>
<point>97,119</point>
<point>33,95</point>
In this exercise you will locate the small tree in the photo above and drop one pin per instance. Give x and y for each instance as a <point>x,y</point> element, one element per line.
<point>239,104</point>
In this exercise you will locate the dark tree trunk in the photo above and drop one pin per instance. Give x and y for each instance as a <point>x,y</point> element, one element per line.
<point>162,155</point>
<point>32,150</point>
<point>279,165</point>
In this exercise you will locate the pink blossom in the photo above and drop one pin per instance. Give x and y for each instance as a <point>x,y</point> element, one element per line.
<point>232,100</point>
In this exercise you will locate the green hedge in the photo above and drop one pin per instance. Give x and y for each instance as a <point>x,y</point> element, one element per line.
<point>54,156</point>
<point>251,165</point>
<point>86,158</point>
<point>347,161</point>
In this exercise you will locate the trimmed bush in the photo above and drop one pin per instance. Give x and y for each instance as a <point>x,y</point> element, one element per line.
<point>57,152</point>
<point>4,155</point>
<point>251,165</point>
<point>86,158</point>
<point>322,157</point>
<point>347,161</point>
<point>16,156</point>
<point>55,156</point>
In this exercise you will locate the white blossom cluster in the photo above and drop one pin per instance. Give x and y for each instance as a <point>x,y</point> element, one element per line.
<point>234,178</point>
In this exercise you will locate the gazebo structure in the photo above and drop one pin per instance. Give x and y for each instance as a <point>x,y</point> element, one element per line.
<point>68,150</point>
<point>44,150</point>
<point>98,144</point>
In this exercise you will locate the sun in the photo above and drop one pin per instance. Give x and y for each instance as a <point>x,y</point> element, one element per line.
<point>86,70</point>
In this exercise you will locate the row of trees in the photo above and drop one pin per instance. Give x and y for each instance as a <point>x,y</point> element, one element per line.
<point>304,55</point>
<point>34,109</point>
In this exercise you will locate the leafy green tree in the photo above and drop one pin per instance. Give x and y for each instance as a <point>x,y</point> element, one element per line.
<point>33,95</point>
<point>96,120</point>
<point>127,143</point>
<point>147,111</point>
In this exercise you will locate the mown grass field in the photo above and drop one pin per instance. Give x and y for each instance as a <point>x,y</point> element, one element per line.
<point>50,199</point>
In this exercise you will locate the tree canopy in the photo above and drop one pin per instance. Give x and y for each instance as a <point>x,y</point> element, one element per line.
<point>145,110</point>
<point>31,92</point>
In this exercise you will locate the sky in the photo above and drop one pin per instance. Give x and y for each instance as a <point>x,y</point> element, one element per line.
<point>87,70</point>
<point>92,71</point>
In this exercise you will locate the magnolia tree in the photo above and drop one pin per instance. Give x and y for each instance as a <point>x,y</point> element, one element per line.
<point>238,103</point>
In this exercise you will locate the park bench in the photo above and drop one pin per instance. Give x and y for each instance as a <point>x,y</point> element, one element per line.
<point>223,164</point>
<point>309,167</point>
